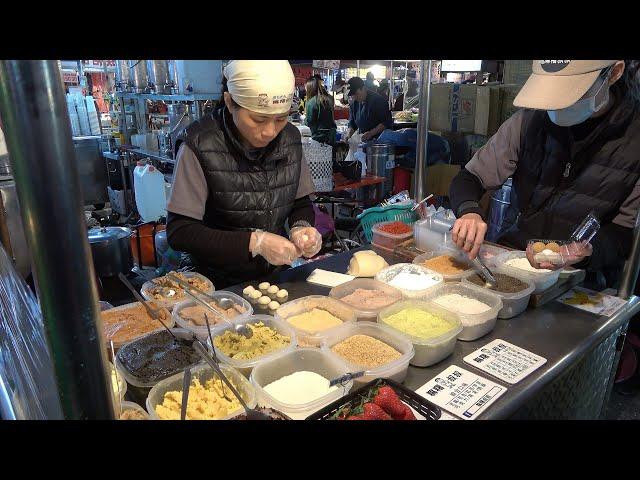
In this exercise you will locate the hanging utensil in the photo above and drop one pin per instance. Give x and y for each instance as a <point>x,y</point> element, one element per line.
<point>186,385</point>
<point>243,330</point>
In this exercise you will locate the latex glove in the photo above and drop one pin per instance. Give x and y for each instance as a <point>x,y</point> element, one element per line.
<point>468,233</point>
<point>570,254</point>
<point>307,239</point>
<point>275,249</point>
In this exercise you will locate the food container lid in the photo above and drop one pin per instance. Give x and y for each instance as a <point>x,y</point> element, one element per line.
<point>280,326</point>
<point>296,307</point>
<point>202,331</point>
<point>452,318</point>
<point>136,381</point>
<point>348,288</point>
<point>105,234</point>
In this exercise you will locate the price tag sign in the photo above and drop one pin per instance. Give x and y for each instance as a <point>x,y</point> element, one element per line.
<point>461,392</point>
<point>505,361</point>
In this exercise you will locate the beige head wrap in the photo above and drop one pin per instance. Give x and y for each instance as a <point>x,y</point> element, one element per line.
<point>262,86</point>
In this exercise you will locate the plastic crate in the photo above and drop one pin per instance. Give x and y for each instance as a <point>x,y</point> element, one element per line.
<point>420,404</point>
<point>400,213</point>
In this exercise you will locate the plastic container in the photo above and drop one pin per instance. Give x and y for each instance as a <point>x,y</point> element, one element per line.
<point>388,274</point>
<point>122,384</point>
<point>306,304</point>
<point>134,406</point>
<point>428,351</point>
<point>370,314</point>
<point>555,258</point>
<point>203,373</point>
<point>201,331</point>
<point>151,198</point>
<point>477,325</point>
<point>389,240</point>
<point>170,302</point>
<point>512,303</point>
<point>246,366</point>
<point>395,370</point>
<point>301,359</point>
<point>398,212</point>
<point>541,280</point>
<point>455,277</point>
<point>488,254</point>
<point>587,229</point>
<point>137,382</point>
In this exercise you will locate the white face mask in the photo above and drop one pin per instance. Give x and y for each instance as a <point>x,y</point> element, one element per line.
<point>582,109</point>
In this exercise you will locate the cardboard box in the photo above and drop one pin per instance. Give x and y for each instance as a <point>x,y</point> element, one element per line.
<point>507,109</point>
<point>516,71</point>
<point>452,107</point>
<point>439,178</point>
<point>488,106</point>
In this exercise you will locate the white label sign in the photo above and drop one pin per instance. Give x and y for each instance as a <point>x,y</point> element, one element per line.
<point>461,392</point>
<point>505,361</point>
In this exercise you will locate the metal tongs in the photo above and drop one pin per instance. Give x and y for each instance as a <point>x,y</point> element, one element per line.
<point>344,379</point>
<point>243,330</point>
<point>484,272</point>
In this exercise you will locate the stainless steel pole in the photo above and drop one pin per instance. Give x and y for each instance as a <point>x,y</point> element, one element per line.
<point>420,172</point>
<point>358,65</point>
<point>38,134</point>
<point>632,265</point>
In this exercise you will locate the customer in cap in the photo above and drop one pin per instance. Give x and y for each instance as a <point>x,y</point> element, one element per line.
<point>369,111</point>
<point>240,175</point>
<point>573,149</point>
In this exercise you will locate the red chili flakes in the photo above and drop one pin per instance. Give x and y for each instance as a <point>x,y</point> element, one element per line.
<point>396,228</point>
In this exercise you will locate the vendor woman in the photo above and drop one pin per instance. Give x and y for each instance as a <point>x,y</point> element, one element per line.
<point>240,176</point>
<point>572,150</point>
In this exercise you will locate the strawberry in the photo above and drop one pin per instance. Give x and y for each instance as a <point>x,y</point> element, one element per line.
<point>408,414</point>
<point>374,412</point>
<point>388,400</point>
<point>356,417</point>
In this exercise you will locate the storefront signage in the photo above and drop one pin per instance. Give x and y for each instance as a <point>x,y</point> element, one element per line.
<point>505,361</point>
<point>461,392</point>
<point>98,65</point>
<point>330,64</point>
<point>70,77</point>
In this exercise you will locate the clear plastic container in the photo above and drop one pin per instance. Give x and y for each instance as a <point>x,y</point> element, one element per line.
<point>587,229</point>
<point>301,359</point>
<point>555,257</point>
<point>388,274</point>
<point>477,325</point>
<point>488,254</point>
<point>169,322</point>
<point>389,240</point>
<point>136,407</point>
<point>170,302</point>
<point>138,382</point>
<point>203,373</point>
<point>122,386</point>
<point>370,314</point>
<point>201,331</point>
<point>456,254</point>
<point>542,280</point>
<point>428,351</point>
<point>395,370</point>
<point>512,303</point>
<point>246,366</point>
<point>306,304</point>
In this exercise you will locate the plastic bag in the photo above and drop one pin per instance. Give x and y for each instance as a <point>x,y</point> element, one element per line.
<point>354,141</point>
<point>28,389</point>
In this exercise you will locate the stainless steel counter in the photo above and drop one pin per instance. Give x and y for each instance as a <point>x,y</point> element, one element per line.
<point>563,335</point>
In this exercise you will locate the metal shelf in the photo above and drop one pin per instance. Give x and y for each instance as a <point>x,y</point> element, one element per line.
<point>177,98</point>
<point>147,153</point>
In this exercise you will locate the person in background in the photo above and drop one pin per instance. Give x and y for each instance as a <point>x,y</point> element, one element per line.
<point>383,89</point>
<point>340,90</point>
<point>240,176</point>
<point>574,148</point>
<point>398,105</point>
<point>370,81</point>
<point>369,111</point>
<point>319,112</point>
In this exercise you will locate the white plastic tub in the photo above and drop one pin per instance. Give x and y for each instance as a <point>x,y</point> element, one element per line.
<point>301,359</point>
<point>512,303</point>
<point>246,366</point>
<point>474,326</point>
<point>203,373</point>
<point>541,280</point>
<point>201,331</point>
<point>459,256</point>
<point>169,303</point>
<point>388,274</point>
<point>395,370</point>
<point>368,314</point>
<point>428,351</point>
<point>335,307</point>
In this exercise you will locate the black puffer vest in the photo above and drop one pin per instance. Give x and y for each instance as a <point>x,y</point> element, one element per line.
<point>558,181</point>
<point>244,194</point>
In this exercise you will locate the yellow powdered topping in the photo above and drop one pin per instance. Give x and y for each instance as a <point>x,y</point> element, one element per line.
<point>206,402</point>
<point>264,340</point>
<point>314,321</point>
<point>419,323</point>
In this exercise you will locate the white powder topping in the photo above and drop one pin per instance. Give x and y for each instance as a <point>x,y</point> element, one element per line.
<point>523,264</point>
<point>461,304</point>
<point>413,281</point>
<point>299,387</point>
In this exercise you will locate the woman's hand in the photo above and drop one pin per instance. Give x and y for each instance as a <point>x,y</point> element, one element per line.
<point>468,233</point>
<point>275,249</point>
<point>570,254</point>
<point>307,239</point>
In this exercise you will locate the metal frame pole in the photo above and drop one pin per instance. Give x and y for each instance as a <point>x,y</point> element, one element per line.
<point>420,172</point>
<point>632,265</point>
<point>38,134</point>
